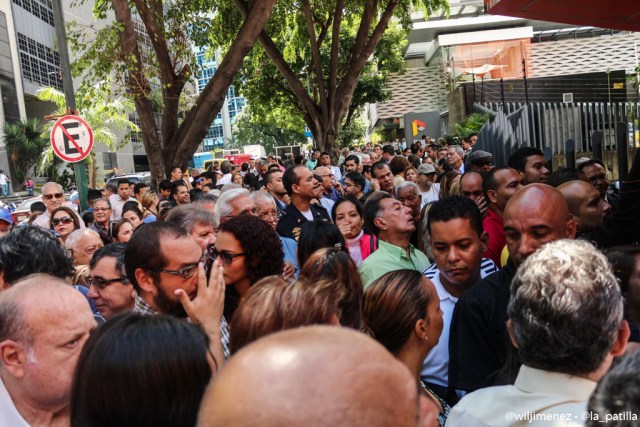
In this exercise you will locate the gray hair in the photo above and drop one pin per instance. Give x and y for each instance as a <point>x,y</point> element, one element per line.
<point>51,184</point>
<point>458,149</point>
<point>565,308</point>
<point>187,216</point>
<point>617,392</point>
<point>107,201</point>
<point>262,196</point>
<point>408,184</point>
<point>223,207</point>
<point>72,239</point>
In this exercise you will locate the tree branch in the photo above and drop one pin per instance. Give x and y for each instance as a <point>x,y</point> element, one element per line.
<point>363,31</point>
<point>172,84</point>
<point>344,92</point>
<point>137,82</point>
<point>316,61</point>
<point>335,52</point>
<point>199,118</point>
<point>276,56</point>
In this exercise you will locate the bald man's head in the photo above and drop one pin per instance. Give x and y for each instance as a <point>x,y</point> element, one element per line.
<point>44,323</point>
<point>535,215</point>
<point>313,376</point>
<point>585,204</point>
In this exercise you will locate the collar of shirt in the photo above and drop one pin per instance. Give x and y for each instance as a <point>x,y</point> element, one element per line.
<point>396,251</point>
<point>533,380</point>
<point>143,308</point>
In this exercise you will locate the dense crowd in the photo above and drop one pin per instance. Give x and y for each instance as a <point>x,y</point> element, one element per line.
<point>394,285</point>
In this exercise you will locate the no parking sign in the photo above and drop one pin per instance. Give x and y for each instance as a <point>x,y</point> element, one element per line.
<point>71,138</point>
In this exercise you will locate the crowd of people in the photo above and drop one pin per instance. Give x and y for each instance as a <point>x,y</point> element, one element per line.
<point>394,285</point>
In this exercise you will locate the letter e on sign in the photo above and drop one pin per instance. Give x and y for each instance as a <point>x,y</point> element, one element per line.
<point>71,138</point>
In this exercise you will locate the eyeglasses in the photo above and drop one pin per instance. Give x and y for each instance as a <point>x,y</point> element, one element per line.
<point>64,220</point>
<point>186,272</point>
<point>101,209</point>
<point>52,195</point>
<point>101,283</point>
<point>226,257</point>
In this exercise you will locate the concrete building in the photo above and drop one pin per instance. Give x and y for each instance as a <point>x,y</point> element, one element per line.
<point>473,57</point>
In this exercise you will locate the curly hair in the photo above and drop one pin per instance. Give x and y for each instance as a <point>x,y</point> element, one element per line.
<point>264,256</point>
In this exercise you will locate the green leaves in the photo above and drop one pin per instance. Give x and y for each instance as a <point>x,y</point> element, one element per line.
<point>25,143</point>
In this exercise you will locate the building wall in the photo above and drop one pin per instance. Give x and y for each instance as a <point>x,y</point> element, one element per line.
<point>586,55</point>
<point>12,107</point>
<point>419,88</point>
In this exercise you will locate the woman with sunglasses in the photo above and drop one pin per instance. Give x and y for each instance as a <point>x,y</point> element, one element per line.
<point>249,250</point>
<point>64,221</point>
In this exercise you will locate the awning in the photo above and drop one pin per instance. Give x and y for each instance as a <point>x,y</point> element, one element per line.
<point>616,15</point>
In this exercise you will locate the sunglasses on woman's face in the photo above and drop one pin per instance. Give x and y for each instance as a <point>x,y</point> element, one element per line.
<point>64,220</point>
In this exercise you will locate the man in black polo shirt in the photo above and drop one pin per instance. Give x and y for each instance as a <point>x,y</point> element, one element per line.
<point>300,185</point>
<point>478,343</point>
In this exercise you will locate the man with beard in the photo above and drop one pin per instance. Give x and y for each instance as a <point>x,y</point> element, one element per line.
<point>165,266</point>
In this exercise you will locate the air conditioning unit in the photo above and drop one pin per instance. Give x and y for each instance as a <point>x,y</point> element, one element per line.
<point>567,98</point>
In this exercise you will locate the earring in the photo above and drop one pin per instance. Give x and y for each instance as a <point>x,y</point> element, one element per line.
<point>426,338</point>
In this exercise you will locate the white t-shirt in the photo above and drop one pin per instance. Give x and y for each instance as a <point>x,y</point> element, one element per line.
<point>435,368</point>
<point>431,196</point>
<point>307,214</point>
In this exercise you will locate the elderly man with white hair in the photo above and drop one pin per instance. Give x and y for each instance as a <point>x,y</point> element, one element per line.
<point>53,198</point>
<point>565,320</point>
<point>267,211</point>
<point>83,244</point>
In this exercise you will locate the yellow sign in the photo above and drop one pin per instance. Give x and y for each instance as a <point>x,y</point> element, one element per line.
<point>618,85</point>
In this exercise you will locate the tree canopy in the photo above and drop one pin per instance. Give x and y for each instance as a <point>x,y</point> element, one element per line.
<point>323,59</point>
<point>150,47</point>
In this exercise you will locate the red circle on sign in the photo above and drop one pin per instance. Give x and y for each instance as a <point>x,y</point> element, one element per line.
<point>71,145</point>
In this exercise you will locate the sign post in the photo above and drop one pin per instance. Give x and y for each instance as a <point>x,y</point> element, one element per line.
<point>67,84</point>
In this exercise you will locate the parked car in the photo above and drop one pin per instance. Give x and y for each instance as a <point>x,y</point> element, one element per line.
<point>132,177</point>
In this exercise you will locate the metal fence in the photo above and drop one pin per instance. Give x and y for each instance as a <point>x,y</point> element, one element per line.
<point>549,126</point>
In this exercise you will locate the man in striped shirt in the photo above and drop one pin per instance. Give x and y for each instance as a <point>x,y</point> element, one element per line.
<point>457,242</point>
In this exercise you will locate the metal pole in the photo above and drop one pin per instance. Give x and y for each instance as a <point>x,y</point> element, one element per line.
<point>67,84</point>
<point>526,90</point>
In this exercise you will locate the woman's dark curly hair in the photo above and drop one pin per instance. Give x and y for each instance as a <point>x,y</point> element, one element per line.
<point>263,249</point>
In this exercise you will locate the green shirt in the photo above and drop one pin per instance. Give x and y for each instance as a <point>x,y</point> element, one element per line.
<point>388,258</point>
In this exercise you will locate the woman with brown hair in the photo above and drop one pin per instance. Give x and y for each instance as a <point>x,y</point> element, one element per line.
<point>64,221</point>
<point>337,266</point>
<point>273,305</point>
<point>401,310</point>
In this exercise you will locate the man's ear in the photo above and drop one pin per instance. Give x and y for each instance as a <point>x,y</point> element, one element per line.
<point>571,228</point>
<point>620,344</point>
<point>484,240</point>
<point>12,357</point>
<point>380,223</point>
<point>492,195</point>
<point>3,285</point>
<point>145,281</point>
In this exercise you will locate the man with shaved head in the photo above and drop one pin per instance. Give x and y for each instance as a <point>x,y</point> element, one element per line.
<point>40,343</point>
<point>585,204</point>
<point>315,376</point>
<point>534,215</point>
